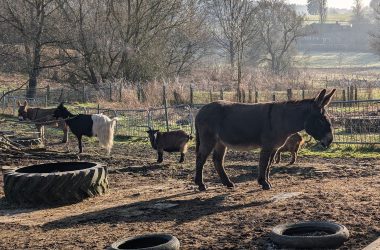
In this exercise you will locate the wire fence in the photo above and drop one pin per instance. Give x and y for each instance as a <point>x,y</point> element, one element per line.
<point>354,121</point>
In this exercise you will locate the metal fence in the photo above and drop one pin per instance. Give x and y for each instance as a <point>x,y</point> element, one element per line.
<point>355,122</point>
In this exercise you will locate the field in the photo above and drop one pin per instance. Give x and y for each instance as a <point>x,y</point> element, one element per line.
<point>148,197</point>
<point>338,60</point>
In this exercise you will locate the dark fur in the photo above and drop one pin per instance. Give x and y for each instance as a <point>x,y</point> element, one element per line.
<point>292,145</point>
<point>173,141</point>
<point>79,125</point>
<point>266,125</point>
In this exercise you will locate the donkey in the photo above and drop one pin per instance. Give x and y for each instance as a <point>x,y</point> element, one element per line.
<point>222,124</point>
<point>41,117</point>
<point>98,125</point>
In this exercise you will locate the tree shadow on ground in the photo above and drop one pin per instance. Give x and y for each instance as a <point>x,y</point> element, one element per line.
<point>181,211</point>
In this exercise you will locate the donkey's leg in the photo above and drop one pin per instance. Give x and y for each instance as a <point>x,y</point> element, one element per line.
<point>218,159</point>
<point>271,160</point>
<point>278,156</point>
<point>265,161</point>
<point>207,143</point>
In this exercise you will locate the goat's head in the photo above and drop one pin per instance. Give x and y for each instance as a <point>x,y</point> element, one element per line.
<point>61,112</point>
<point>22,110</point>
<point>152,132</point>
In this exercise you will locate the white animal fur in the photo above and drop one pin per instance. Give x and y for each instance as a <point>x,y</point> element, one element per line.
<point>103,127</point>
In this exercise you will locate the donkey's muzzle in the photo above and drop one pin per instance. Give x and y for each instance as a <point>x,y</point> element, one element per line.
<point>327,140</point>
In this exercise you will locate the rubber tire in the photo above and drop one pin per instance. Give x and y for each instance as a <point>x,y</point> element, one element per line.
<point>335,240</point>
<point>171,244</point>
<point>55,188</point>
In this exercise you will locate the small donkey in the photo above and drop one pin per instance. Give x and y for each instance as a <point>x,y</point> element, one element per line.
<point>41,117</point>
<point>292,145</point>
<point>173,141</point>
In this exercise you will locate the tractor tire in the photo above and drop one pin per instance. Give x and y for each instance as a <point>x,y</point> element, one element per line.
<point>290,235</point>
<point>55,183</point>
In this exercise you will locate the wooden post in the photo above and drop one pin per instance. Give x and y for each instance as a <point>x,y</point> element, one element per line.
<point>98,108</point>
<point>303,94</point>
<point>250,95</point>
<point>348,93</point>
<point>110,86</point>
<point>46,101</point>
<point>221,94</point>
<point>48,93</point>
<point>210,95</point>
<point>343,95</point>
<point>120,90</point>
<point>289,94</point>
<point>243,95</point>
<point>166,107</point>
<point>256,96</point>
<point>191,96</point>
<point>3,100</point>
<point>356,93</point>
<point>274,97</point>
<point>352,93</point>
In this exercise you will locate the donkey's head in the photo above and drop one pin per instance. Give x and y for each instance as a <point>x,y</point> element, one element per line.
<point>317,124</point>
<point>61,112</point>
<point>22,110</point>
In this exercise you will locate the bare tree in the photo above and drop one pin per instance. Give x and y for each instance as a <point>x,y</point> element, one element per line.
<point>322,10</point>
<point>375,36</point>
<point>279,27</point>
<point>33,22</point>
<point>234,30</point>
<point>357,11</point>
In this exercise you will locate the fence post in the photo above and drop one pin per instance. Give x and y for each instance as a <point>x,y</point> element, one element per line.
<point>221,94</point>
<point>210,95</point>
<point>250,95</point>
<point>289,94</point>
<point>191,95</point>
<point>166,107</point>
<point>48,93</point>
<point>356,93</point>
<point>274,97</point>
<point>242,95</point>
<point>351,92</point>
<point>3,100</point>
<point>303,94</point>
<point>120,90</point>
<point>256,96</point>
<point>348,93</point>
<point>46,101</point>
<point>149,119</point>
<point>98,108</point>
<point>110,86</point>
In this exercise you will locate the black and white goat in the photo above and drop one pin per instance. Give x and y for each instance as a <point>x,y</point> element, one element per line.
<point>98,125</point>
<point>173,141</point>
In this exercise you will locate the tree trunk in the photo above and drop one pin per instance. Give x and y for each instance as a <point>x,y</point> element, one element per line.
<point>32,86</point>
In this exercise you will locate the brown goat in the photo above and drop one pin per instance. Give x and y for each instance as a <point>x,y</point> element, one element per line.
<point>292,145</point>
<point>173,141</point>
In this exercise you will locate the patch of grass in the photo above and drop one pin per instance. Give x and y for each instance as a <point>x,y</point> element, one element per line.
<point>342,151</point>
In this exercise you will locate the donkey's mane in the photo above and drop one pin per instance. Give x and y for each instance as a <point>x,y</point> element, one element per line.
<point>297,102</point>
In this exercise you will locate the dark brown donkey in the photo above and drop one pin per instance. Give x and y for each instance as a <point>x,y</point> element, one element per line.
<point>221,124</point>
<point>41,117</point>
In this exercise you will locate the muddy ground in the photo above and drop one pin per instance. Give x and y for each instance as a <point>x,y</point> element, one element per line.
<point>342,190</point>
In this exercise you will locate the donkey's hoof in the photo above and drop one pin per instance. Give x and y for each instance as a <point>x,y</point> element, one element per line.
<point>229,184</point>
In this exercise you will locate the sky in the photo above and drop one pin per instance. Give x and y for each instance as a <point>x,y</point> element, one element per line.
<point>342,4</point>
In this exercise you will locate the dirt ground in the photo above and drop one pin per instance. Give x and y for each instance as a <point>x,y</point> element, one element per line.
<point>148,197</point>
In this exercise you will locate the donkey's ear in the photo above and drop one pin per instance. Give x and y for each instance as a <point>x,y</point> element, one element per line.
<point>320,97</point>
<point>328,98</point>
<point>25,103</point>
